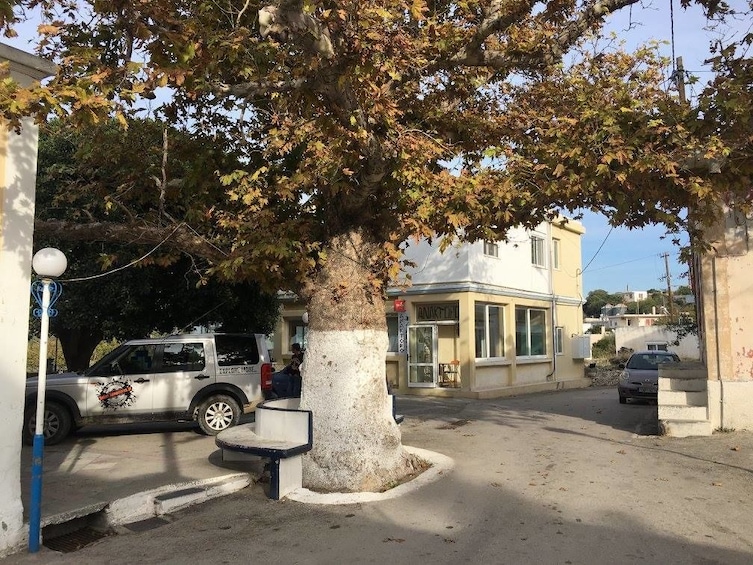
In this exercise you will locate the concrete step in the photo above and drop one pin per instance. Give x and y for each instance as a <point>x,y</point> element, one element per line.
<point>689,385</point>
<point>684,428</point>
<point>680,412</point>
<point>683,398</point>
<point>684,370</point>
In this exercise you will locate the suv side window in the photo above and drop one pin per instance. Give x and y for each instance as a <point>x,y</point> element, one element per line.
<point>131,360</point>
<point>236,350</point>
<point>182,357</point>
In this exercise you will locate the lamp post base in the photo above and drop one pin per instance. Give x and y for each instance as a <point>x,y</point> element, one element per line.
<point>35,510</point>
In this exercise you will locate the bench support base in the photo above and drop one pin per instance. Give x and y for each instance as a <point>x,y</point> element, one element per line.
<point>286,476</point>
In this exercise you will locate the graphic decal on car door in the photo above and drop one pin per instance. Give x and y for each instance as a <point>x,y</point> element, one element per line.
<point>116,394</point>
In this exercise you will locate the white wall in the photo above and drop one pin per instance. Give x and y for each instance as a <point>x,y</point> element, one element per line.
<point>16,236</point>
<point>636,338</point>
<point>467,263</point>
<point>18,170</point>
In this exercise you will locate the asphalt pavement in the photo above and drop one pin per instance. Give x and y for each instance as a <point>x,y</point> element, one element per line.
<point>569,477</point>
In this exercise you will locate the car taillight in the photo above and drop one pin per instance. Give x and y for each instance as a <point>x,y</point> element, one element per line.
<point>266,376</point>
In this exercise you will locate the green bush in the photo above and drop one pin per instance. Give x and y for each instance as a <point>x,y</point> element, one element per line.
<point>605,347</point>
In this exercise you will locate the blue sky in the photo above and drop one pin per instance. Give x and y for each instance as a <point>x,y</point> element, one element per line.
<point>632,259</point>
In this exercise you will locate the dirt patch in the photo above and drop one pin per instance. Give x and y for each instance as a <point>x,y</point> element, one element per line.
<point>419,466</point>
<point>603,374</point>
<point>453,425</point>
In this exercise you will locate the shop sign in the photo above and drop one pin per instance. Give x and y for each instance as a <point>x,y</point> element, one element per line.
<point>439,312</point>
<point>402,332</point>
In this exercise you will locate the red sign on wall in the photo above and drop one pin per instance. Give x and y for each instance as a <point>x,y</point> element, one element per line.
<point>399,305</point>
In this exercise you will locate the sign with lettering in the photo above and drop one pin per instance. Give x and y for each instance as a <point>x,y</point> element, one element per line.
<point>439,312</point>
<point>402,332</point>
<point>399,305</point>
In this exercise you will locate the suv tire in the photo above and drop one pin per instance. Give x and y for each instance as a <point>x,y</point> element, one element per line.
<point>57,425</point>
<point>217,413</point>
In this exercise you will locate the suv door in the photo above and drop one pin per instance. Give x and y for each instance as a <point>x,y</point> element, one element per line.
<point>183,371</point>
<point>122,385</point>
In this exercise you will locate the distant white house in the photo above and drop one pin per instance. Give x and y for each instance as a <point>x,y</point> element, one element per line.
<point>634,295</point>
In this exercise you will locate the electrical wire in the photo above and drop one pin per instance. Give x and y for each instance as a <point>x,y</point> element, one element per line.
<point>598,250</point>
<point>131,264</point>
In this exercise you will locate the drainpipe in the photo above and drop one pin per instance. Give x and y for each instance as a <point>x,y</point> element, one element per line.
<point>716,343</point>
<point>552,375</point>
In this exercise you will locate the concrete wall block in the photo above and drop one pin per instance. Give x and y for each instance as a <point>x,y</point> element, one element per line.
<point>678,412</point>
<point>687,385</point>
<point>684,428</point>
<point>683,398</point>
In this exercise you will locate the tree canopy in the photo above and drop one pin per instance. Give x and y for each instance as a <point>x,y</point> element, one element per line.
<point>345,115</point>
<point>89,175</point>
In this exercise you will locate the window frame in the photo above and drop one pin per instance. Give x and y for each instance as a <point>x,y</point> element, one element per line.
<point>491,248</point>
<point>296,336</point>
<point>559,340</point>
<point>528,342</point>
<point>483,348</point>
<point>556,253</point>
<point>538,251</point>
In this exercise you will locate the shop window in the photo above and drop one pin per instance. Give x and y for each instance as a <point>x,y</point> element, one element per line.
<point>298,333</point>
<point>489,330</point>
<point>393,334</point>
<point>537,251</point>
<point>530,332</point>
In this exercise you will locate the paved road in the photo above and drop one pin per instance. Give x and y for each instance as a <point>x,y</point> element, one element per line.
<point>554,478</point>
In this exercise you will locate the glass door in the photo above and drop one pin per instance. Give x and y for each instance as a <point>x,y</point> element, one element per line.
<point>422,356</point>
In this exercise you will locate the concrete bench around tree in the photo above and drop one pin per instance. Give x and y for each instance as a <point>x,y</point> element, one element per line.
<point>281,433</point>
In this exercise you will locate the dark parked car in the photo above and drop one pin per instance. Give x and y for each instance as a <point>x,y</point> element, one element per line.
<point>640,376</point>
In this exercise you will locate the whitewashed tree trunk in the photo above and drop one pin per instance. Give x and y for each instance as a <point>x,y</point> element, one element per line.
<point>357,445</point>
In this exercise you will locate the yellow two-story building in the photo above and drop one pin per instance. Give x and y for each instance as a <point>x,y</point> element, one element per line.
<point>482,320</point>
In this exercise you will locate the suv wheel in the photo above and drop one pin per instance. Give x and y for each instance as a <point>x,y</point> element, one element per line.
<point>218,413</point>
<point>57,423</point>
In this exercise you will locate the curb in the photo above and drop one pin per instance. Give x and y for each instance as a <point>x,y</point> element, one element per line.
<point>155,502</point>
<point>440,466</point>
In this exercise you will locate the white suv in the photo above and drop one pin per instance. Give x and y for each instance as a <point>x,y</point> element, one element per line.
<point>202,377</point>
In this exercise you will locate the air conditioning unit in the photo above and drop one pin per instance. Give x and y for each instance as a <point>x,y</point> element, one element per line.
<point>581,346</point>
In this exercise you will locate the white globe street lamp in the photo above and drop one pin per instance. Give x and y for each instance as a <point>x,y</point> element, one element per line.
<point>48,263</point>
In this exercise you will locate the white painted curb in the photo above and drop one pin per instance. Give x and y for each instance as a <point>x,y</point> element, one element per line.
<point>161,500</point>
<point>440,466</point>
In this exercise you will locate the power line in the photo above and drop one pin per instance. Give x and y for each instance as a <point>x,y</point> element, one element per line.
<point>597,251</point>
<point>628,261</point>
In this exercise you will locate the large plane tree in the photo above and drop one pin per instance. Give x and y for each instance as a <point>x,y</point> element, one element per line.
<point>363,124</point>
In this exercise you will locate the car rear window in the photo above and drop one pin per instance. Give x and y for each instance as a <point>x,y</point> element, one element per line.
<point>236,350</point>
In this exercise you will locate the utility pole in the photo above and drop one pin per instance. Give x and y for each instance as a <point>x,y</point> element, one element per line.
<point>680,80</point>
<point>669,288</point>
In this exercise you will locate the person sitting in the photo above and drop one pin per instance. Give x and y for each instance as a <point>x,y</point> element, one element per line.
<point>287,383</point>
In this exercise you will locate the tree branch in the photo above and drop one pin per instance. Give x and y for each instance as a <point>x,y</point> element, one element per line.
<point>258,88</point>
<point>183,238</point>
<point>499,19</point>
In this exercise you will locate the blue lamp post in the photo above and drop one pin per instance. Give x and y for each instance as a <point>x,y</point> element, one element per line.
<point>47,263</point>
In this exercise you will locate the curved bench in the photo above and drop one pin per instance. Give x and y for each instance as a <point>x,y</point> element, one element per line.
<point>281,433</point>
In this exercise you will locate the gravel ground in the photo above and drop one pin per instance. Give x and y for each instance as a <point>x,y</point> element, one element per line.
<point>604,374</point>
